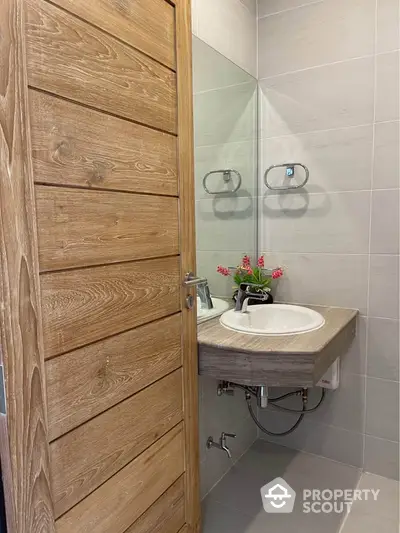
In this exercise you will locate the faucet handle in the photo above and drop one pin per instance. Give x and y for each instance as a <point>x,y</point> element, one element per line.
<point>231,435</point>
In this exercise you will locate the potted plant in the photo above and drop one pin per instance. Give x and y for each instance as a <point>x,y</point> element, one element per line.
<point>246,273</point>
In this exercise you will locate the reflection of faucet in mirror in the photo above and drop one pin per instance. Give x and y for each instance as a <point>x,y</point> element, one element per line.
<point>203,292</point>
<point>245,293</point>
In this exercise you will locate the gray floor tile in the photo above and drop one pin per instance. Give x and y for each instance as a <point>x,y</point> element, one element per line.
<point>369,523</point>
<point>217,518</point>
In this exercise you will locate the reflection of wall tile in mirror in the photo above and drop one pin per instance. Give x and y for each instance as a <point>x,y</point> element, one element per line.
<point>387,155</point>
<point>385,222</point>
<point>315,34</point>
<point>387,87</point>
<point>382,409</point>
<point>213,70</point>
<point>329,223</point>
<point>269,7</point>
<point>338,160</point>
<point>231,28</point>
<point>388,24</point>
<point>217,117</point>
<point>381,457</point>
<point>323,279</point>
<point>384,286</point>
<point>327,97</point>
<point>225,223</point>
<point>241,156</point>
<point>383,348</point>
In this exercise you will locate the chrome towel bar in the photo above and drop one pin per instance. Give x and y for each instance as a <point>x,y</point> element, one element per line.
<point>227,176</point>
<point>290,171</point>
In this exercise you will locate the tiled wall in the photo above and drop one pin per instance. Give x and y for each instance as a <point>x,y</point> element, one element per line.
<point>329,86</point>
<point>229,26</point>
<point>225,134</point>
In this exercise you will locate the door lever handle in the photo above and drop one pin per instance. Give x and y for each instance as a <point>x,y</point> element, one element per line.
<point>192,281</point>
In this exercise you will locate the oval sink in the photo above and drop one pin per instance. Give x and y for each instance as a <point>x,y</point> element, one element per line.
<point>273,319</point>
<point>219,307</point>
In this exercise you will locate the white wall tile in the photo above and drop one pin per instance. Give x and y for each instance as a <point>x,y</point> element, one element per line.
<point>316,34</point>
<point>323,279</point>
<point>320,223</point>
<point>230,27</point>
<point>387,155</point>
<point>381,457</point>
<point>268,7</point>
<point>388,23</point>
<point>384,286</point>
<point>382,409</point>
<point>385,222</point>
<point>383,348</point>
<point>354,361</point>
<point>338,160</point>
<point>387,87</point>
<point>327,97</point>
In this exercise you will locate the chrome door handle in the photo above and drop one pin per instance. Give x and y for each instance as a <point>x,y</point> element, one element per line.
<point>191,280</point>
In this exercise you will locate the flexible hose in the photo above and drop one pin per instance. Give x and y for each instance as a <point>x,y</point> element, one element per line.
<point>271,433</point>
<point>301,412</point>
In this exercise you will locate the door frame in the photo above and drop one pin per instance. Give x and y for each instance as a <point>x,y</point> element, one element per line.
<point>24,445</point>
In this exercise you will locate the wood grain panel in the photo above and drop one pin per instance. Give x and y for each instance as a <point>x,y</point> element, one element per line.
<point>68,57</point>
<point>25,455</point>
<point>188,259</point>
<point>128,494</point>
<point>114,438</point>
<point>86,382</point>
<point>148,25</point>
<point>80,228</point>
<point>86,305</point>
<point>166,515</point>
<point>74,145</point>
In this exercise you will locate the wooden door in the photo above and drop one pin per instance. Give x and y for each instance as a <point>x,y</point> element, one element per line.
<point>97,232</point>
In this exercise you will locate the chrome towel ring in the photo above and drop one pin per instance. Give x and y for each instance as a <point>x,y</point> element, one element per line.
<point>227,176</point>
<point>290,170</point>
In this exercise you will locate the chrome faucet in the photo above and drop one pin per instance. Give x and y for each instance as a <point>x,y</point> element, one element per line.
<point>245,293</point>
<point>203,292</point>
<point>221,445</point>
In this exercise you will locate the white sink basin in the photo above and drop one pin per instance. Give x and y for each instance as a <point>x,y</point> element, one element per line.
<point>273,319</point>
<point>205,314</point>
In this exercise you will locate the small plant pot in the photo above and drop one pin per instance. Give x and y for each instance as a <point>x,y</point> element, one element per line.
<point>254,301</point>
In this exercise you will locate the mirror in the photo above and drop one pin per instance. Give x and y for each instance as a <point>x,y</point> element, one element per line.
<point>225,133</point>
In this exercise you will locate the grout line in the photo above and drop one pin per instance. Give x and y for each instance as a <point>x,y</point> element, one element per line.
<point>314,67</point>
<point>215,89</point>
<point>290,9</point>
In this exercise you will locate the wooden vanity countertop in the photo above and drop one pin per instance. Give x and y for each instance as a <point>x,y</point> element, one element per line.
<point>285,360</point>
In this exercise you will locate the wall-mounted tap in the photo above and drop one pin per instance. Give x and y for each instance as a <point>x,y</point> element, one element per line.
<point>221,445</point>
<point>245,293</point>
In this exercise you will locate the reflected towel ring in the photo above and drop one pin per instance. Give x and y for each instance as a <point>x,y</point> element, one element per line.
<point>289,167</point>
<point>227,178</point>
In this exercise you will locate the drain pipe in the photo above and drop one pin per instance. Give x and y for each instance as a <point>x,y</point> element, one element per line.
<point>262,397</point>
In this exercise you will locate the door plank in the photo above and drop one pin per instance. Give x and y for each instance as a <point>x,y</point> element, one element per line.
<point>79,228</point>
<point>24,453</point>
<point>68,57</point>
<point>74,145</point>
<point>86,382</point>
<point>85,305</point>
<point>148,25</point>
<point>114,438</point>
<point>188,259</point>
<point>128,494</point>
<point>166,515</point>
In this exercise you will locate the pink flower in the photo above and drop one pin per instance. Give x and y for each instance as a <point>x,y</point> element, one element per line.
<point>260,262</point>
<point>277,273</point>
<point>246,261</point>
<point>223,270</point>
<point>249,271</point>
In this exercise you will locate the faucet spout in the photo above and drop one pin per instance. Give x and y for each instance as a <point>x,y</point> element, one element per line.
<point>246,293</point>
<point>221,445</point>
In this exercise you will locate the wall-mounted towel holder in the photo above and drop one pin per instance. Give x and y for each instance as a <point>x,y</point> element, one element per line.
<point>227,177</point>
<point>290,172</point>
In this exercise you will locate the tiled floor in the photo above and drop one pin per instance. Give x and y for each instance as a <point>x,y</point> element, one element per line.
<point>234,505</point>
